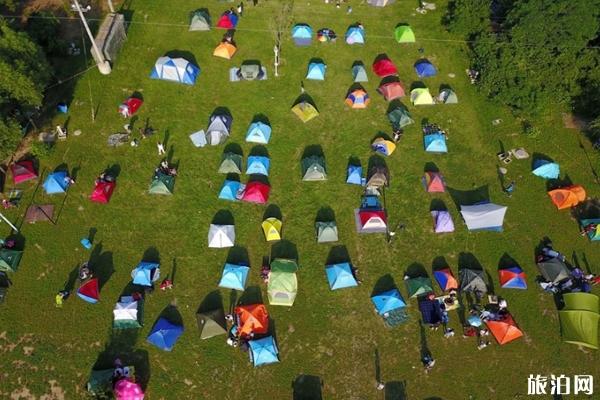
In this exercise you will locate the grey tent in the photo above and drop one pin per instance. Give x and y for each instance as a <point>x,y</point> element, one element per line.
<point>251,71</point>
<point>380,3</point>
<point>218,129</point>
<point>553,270</point>
<point>313,169</point>
<point>200,21</point>
<point>378,176</point>
<point>231,163</point>
<point>472,280</point>
<point>399,117</point>
<point>448,96</point>
<point>326,232</point>
<point>211,323</point>
<point>359,73</point>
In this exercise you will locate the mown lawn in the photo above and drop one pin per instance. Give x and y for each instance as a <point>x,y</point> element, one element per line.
<point>333,335</point>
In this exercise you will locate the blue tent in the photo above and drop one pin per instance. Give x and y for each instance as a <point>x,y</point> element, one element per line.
<point>234,277</point>
<point>354,175</point>
<point>340,276</point>
<point>512,278</point>
<point>229,190</point>
<point>164,334</point>
<point>258,132</point>
<point>316,71</point>
<point>145,273</point>
<point>355,35</point>
<point>546,169</point>
<point>56,182</point>
<point>175,70</point>
<point>388,301</point>
<point>263,351</point>
<point>258,165</point>
<point>425,69</point>
<point>435,143</point>
<point>302,34</point>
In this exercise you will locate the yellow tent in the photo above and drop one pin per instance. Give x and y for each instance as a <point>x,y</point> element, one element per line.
<point>272,229</point>
<point>421,96</point>
<point>225,50</point>
<point>305,111</point>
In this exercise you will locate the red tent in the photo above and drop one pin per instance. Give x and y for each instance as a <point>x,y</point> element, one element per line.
<point>384,67</point>
<point>372,217</point>
<point>391,90</point>
<point>90,291</point>
<point>103,191</point>
<point>23,171</point>
<point>434,182</point>
<point>228,20</point>
<point>130,106</point>
<point>252,318</point>
<point>256,192</point>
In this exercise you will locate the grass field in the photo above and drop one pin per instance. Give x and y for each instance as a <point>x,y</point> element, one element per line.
<point>333,335</point>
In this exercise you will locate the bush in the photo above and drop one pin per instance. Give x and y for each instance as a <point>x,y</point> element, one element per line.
<point>41,149</point>
<point>10,136</point>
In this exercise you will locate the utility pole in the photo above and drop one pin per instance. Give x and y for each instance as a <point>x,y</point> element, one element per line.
<point>103,64</point>
<point>8,222</point>
<point>276,51</point>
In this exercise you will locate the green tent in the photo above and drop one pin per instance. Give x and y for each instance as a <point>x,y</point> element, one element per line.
<point>418,286</point>
<point>326,231</point>
<point>313,169</point>
<point>9,259</point>
<point>162,184</point>
<point>100,382</point>
<point>399,117</point>
<point>211,323</point>
<point>231,164</point>
<point>200,21</point>
<point>404,34</point>
<point>283,284</point>
<point>579,319</point>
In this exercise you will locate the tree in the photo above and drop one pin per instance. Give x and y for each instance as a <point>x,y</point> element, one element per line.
<point>469,18</point>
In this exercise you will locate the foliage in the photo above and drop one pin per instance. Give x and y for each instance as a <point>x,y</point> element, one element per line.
<point>10,135</point>
<point>9,4</point>
<point>41,149</point>
<point>469,18</point>
<point>43,27</point>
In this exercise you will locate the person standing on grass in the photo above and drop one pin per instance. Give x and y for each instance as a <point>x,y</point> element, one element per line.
<point>161,148</point>
<point>510,189</point>
<point>240,8</point>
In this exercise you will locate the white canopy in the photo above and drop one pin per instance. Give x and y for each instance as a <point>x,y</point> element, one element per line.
<point>126,309</point>
<point>487,217</point>
<point>220,236</point>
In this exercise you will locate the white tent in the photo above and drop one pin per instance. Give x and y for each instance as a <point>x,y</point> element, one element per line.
<point>380,3</point>
<point>220,236</point>
<point>126,313</point>
<point>217,132</point>
<point>484,217</point>
<point>198,138</point>
<point>176,70</point>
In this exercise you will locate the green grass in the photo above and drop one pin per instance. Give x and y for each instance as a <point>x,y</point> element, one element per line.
<point>330,334</point>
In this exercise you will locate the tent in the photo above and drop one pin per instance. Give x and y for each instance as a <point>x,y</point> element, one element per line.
<point>370,221</point>
<point>383,146</point>
<point>234,277</point>
<point>220,236</point>
<point>421,96</point>
<point>127,313</point>
<point>57,182</point>
<point>358,98</point>
<point>425,69</point>
<point>354,175</point>
<point>258,165</point>
<point>340,276</point>
<point>593,233</point>
<point>545,169</point>
<point>380,3</point>
<point>200,21</point>
<point>228,20</point>
<point>164,334</point>
<point>23,171</point>
<point>326,231</point>
<point>283,284</point>
<point>326,35</point>
<point>316,71</point>
<point>447,96</point>
<point>304,110</point>
<point>355,35</point>
<point>251,71</point>
<point>175,70</point>
<point>256,192</point>
<point>145,274</point>
<point>504,330</point>
<point>126,389</point>
<point>272,229</point>
<point>388,301</point>
<point>10,259</point>
<point>302,34</point>
<point>399,117</point>
<point>435,143</point>
<point>445,278</point>
<point>404,34</point>
<point>251,319</point>
<point>39,212</point>
<point>218,128</point>
<point>579,319</point>
<point>484,217</point>
<point>258,132</point>
<point>263,351</point>
<point>359,73</point>
<point>418,286</point>
<point>384,67</point>
<point>89,291</point>
<point>553,270</point>
<point>391,90</point>
<point>442,221</point>
<point>211,323</point>
<point>512,278</point>
<point>472,280</point>
<point>370,202</point>
<point>378,176</point>
<point>225,50</point>
<point>231,163</point>
<point>162,184</point>
<point>313,169</point>
<point>102,191</point>
<point>433,182</point>
<point>567,197</point>
<point>198,138</point>
<point>130,106</point>
<point>230,190</point>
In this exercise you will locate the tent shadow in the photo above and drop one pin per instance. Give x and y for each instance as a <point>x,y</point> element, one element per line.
<point>222,111</point>
<point>395,390</point>
<point>506,261</point>
<point>284,249</point>
<point>316,60</point>
<point>259,150</point>
<point>552,184</point>
<point>307,387</point>
<point>376,161</point>
<point>259,178</point>
<point>232,177</point>
<point>62,167</point>
<point>353,87</point>
<point>234,148</point>
<point>238,255</point>
<point>431,167</point>
<point>437,205</point>
<point>390,79</point>
<point>539,156</point>
<point>305,98</point>
<point>19,240</point>
<point>171,314</point>
<point>251,62</point>
<point>113,170</point>
<point>469,197</point>
<point>358,63</point>
<point>381,134</point>
<point>338,254</point>
<point>394,104</point>
<point>416,270</point>
<point>252,295</point>
<point>273,211</point>
<point>188,55</point>
<point>417,85</point>
<point>383,284</point>
<point>312,151</point>
<point>151,254</point>
<point>468,261</point>
<point>325,214</point>
<point>101,264</point>
<point>354,161</point>
<point>586,210</point>
<point>380,57</point>
<point>445,86</point>
<point>223,217</point>
<point>261,118</point>
<point>212,301</point>
<point>439,263</point>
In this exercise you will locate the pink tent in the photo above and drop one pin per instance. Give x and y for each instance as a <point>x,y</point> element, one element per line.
<point>256,192</point>
<point>442,221</point>
<point>23,171</point>
<point>128,390</point>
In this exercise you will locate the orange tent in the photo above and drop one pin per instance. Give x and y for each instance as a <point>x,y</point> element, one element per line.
<point>567,197</point>
<point>252,318</point>
<point>434,182</point>
<point>504,331</point>
<point>391,90</point>
<point>225,50</point>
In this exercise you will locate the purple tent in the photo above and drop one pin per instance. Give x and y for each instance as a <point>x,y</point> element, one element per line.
<point>442,221</point>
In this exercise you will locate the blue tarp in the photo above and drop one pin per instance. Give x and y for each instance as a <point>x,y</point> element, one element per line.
<point>258,132</point>
<point>388,301</point>
<point>164,334</point>
<point>56,182</point>
<point>229,190</point>
<point>425,69</point>
<point>263,351</point>
<point>145,273</point>
<point>435,143</point>
<point>258,165</point>
<point>340,276</point>
<point>234,277</point>
<point>316,71</point>
<point>546,169</point>
<point>354,175</point>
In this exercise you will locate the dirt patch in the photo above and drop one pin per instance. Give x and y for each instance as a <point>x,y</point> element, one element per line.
<point>56,392</point>
<point>28,350</point>
<point>22,393</point>
<point>571,121</point>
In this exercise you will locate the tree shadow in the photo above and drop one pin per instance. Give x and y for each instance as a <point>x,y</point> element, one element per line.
<point>395,390</point>
<point>152,255</point>
<point>307,387</point>
<point>252,295</point>
<point>437,205</point>
<point>338,254</point>
<point>259,150</point>
<point>284,249</point>
<point>212,301</point>
<point>416,270</point>
<point>312,151</point>
<point>468,261</point>
<point>171,276</point>
<point>431,167</point>
<point>223,217</point>
<point>584,259</point>
<point>233,148</point>
<point>261,118</point>
<point>188,55</point>
<point>238,255</point>
<point>469,197</point>
<point>383,284</point>
<point>273,211</point>
<point>101,264</point>
<point>325,214</point>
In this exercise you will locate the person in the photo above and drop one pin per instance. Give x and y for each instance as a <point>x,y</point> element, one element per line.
<point>164,165</point>
<point>240,8</point>
<point>349,10</point>
<point>510,189</point>
<point>397,135</point>
<point>84,272</point>
<point>264,273</point>
<point>502,304</point>
<point>166,284</point>
<point>588,228</point>
<point>428,362</point>
<point>161,148</point>
<point>549,252</point>
<point>69,180</point>
<point>60,297</point>
<point>448,332</point>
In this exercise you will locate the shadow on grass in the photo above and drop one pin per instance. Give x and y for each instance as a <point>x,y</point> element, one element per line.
<point>338,254</point>
<point>273,211</point>
<point>101,264</point>
<point>284,249</point>
<point>223,217</point>
<point>395,390</point>
<point>383,284</point>
<point>416,270</point>
<point>238,255</point>
<point>252,295</point>
<point>307,387</point>
<point>212,301</point>
<point>469,197</point>
<point>325,214</point>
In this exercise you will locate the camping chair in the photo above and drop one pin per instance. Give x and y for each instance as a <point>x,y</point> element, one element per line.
<point>14,198</point>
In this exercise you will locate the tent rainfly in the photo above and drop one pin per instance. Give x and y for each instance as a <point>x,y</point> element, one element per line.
<point>484,217</point>
<point>326,231</point>
<point>283,284</point>
<point>211,323</point>
<point>220,236</point>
